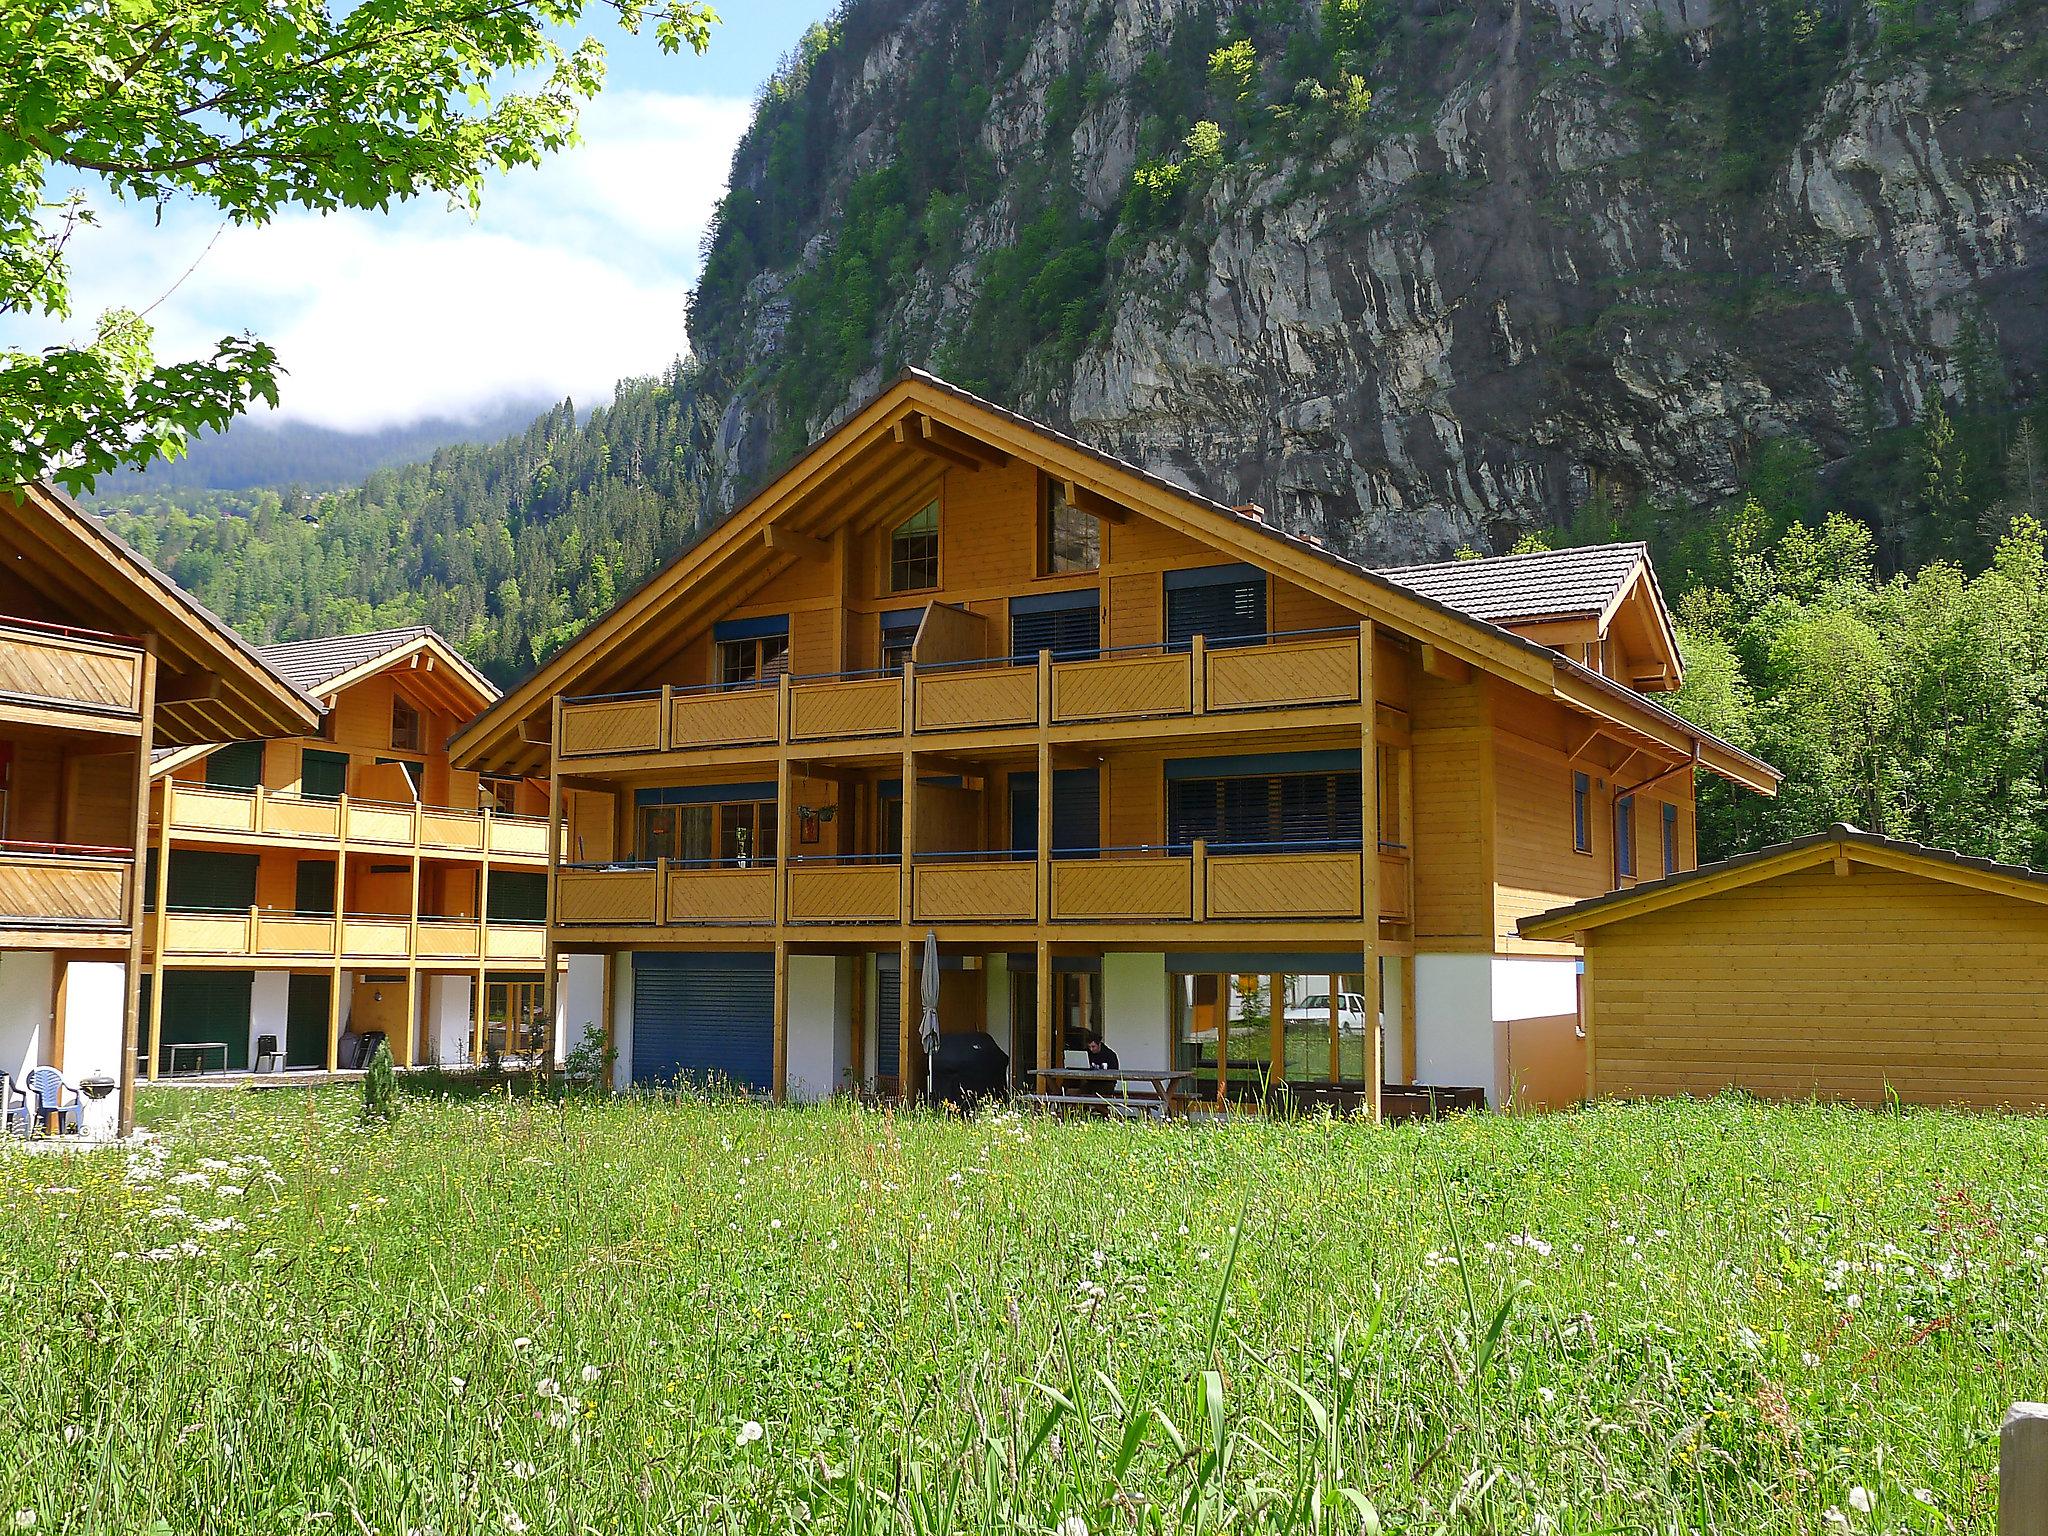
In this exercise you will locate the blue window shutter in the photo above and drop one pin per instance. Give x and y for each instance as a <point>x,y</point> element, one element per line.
<point>888,1021</point>
<point>704,1018</point>
<point>1223,604</point>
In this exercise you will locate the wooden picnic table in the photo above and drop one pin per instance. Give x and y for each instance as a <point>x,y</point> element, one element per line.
<point>1112,1090</point>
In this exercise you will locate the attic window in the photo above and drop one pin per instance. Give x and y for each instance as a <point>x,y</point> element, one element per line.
<point>406,732</point>
<point>1073,539</point>
<point>914,551</point>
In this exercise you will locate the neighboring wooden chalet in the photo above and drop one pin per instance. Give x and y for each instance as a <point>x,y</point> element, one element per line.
<point>101,658</point>
<point>313,891</point>
<point>1840,966</point>
<point>1144,764</point>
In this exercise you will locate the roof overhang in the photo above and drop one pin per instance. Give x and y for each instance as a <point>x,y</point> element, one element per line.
<point>1841,846</point>
<point>211,684</point>
<point>431,667</point>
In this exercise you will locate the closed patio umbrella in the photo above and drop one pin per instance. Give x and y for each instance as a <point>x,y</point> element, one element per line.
<point>928,1026</point>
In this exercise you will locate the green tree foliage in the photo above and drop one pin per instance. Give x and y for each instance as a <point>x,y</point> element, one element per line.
<point>508,550</point>
<point>249,107</point>
<point>380,1088</point>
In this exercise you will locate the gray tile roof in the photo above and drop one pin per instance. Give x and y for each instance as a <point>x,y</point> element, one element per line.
<point>1511,589</point>
<point>310,664</point>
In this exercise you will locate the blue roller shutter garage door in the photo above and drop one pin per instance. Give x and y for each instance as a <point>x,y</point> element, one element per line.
<point>705,1018</point>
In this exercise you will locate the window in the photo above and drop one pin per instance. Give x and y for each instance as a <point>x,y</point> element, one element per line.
<point>899,634</point>
<point>1625,837</point>
<point>501,795</point>
<point>751,650</point>
<point>1582,821</point>
<point>323,775</point>
<point>729,823</point>
<point>1069,624</point>
<point>1073,539</point>
<point>914,551</point>
<point>406,732</point>
<point>1299,809</point>
<point>238,765</point>
<point>1670,839</point>
<point>1222,603</point>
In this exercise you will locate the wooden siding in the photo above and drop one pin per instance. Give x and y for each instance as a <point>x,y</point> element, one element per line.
<point>1451,838</point>
<point>1814,983</point>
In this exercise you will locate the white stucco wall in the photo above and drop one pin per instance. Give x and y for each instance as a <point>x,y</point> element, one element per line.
<point>1529,987</point>
<point>997,969</point>
<point>622,1015</point>
<point>1456,1038</point>
<point>1135,1014</point>
<point>95,1000</point>
<point>26,978</point>
<point>450,1038</point>
<point>579,1004</point>
<point>820,1026</point>
<point>270,995</point>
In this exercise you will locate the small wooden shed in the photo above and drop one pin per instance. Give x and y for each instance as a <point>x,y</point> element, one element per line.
<point>1840,966</point>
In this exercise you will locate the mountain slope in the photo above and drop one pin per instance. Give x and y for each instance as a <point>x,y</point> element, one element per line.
<point>1414,275</point>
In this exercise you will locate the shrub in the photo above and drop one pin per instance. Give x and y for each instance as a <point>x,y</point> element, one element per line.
<point>380,1087</point>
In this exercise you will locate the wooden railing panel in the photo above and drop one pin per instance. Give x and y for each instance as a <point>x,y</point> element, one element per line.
<point>378,823</point>
<point>1397,888</point>
<point>449,939</point>
<point>607,896</point>
<point>602,727</point>
<point>1283,885</point>
<point>519,835</point>
<point>64,889</point>
<point>968,700</point>
<point>1123,687</point>
<point>976,891</point>
<point>516,941</point>
<point>293,934</point>
<point>1113,890</point>
<point>721,895</point>
<point>852,893</point>
<point>380,938</point>
<point>212,810</point>
<point>1287,672</point>
<point>207,933</point>
<point>820,711</point>
<point>290,817</point>
<point>70,671</point>
<point>743,717</point>
<point>456,830</point>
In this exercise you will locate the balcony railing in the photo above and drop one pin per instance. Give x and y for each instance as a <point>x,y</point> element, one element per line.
<point>357,937</point>
<point>381,825</point>
<point>1223,883</point>
<point>1307,669</point>
<point>49,666</point>
<point>57,885</point>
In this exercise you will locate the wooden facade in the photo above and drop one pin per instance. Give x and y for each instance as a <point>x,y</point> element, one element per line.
<point>1842,966</point>
<point>1189,736</point>
<point>102,660</point>
<point>353,852</point>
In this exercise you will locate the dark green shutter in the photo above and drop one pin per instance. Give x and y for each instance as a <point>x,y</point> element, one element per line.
<point>238,765</point>
<point>518,896</point>
<point>206,880</point>
<point>207,1005</point>
<point>323,775</point>
<point>305,1021</point>
<point>315,895</point>
<point>888,1021</point>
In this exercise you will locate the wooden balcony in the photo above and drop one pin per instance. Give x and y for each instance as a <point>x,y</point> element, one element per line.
<point>613,897</point>
<point>1123,890</point>
<point>1319,669</point>
<point>48,671</point>
<point>720,895</point>
<point>974,891</point>
<point>53,886</point>
<point>362,938</point>
<point>979,698</point>
<point>1258,887</point>
<point>845,893</point>
<point>383,826</point>
<point>1397,885</point>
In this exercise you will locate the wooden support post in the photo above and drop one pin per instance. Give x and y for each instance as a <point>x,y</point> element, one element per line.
<point>334,1020</point>
<point>1336,1029</point>
<point>1369,866</point>
<point>60,987</point>
<point>857,1021</point>
<point>550,970</point>
<point>906,1016</point>
<point>340,929</point>
<point>412,951</point>
<point>483,946</point>
<point>1276,1032</point>
<point>131,999</point>
<point>1043,895</point>
<point>412,1012</point>
<point>907,1041</point>
<point>2023,1471</point>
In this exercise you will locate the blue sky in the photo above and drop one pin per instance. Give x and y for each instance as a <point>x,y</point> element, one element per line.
<point>572,276</point>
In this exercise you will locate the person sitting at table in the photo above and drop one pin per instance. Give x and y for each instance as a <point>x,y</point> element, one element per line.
<point>1100,1057</point>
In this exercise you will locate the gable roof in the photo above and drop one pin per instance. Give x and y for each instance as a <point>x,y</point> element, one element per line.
<point>325,666</point>
<point>873,456</point>
<point>1544,585</point>
<point>211,684</point>
<point>1841,844</point>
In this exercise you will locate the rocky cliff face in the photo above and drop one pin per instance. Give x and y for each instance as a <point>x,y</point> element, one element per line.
<point>1570,249</point>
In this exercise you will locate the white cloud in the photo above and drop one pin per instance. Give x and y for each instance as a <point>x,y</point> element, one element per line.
<point>573,276</point>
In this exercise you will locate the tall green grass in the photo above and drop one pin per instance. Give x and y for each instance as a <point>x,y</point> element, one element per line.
<point>504,1315</point>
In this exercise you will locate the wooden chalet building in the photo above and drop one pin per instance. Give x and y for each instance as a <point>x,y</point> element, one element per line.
<point>1144,764</point>
<point>101,659</point>
<point>332,883</point>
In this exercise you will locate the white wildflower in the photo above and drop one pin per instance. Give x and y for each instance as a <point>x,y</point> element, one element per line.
<point>455,1386</point>
<point>1073,1525</point>
<point>24,1518</point>
<point>513,1523</point>
<point>1862,1500</point>
<point>749,1433</point>
<point>590,1373</point>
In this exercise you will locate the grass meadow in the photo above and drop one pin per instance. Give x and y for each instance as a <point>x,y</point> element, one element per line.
<point>511,1315</point>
